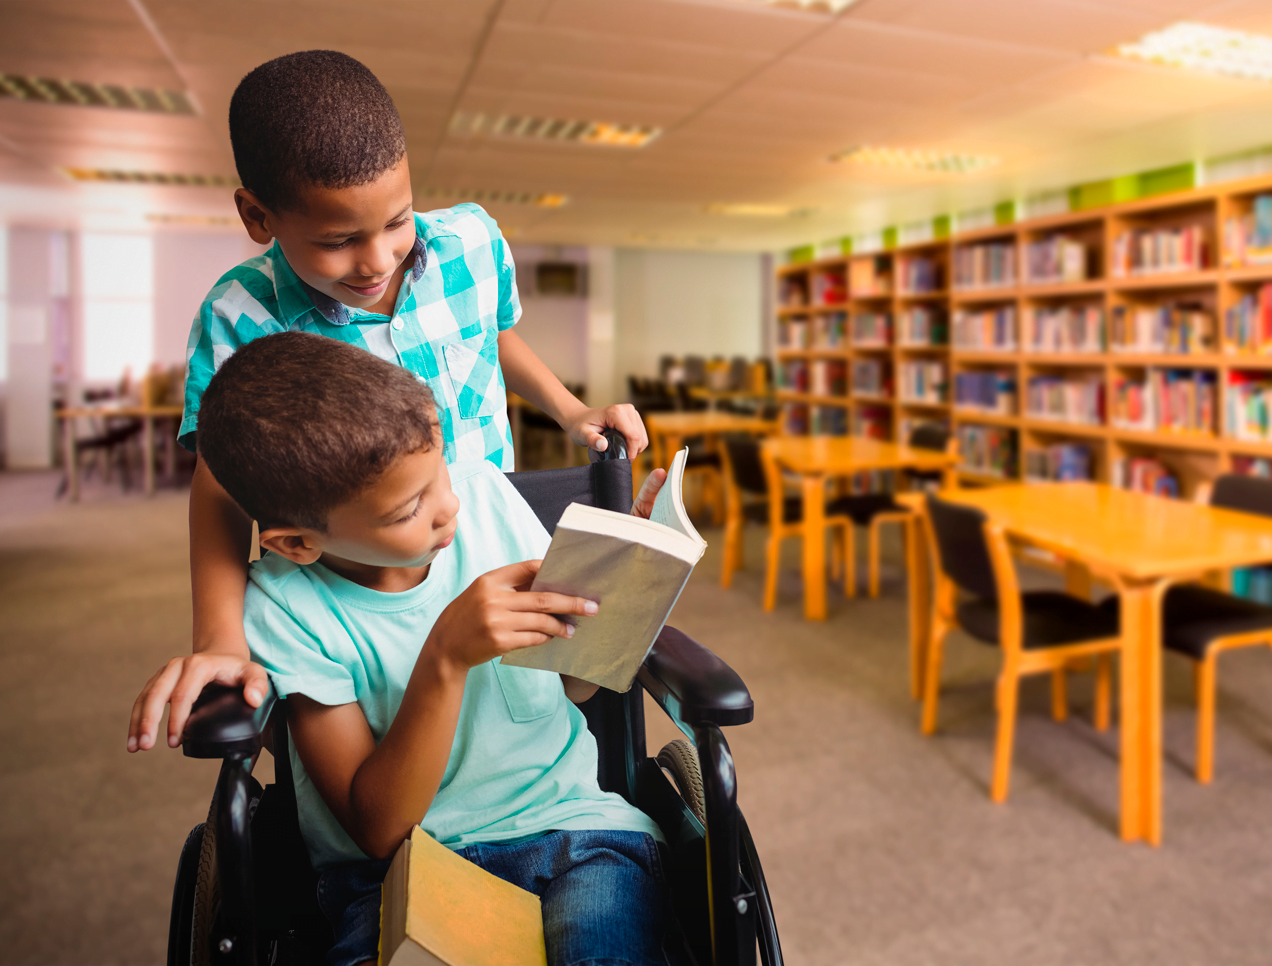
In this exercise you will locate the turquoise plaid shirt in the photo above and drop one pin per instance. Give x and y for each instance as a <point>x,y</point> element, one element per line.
<point>460,294</point>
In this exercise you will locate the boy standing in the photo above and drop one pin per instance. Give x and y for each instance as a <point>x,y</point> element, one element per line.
<point>393,585</point>
<point>321,154</point>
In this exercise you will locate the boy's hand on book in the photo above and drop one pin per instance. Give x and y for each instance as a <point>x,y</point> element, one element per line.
<point>586,428</point>
<point>180,682</point>
<point>643,505</point>
<point>499,613</point>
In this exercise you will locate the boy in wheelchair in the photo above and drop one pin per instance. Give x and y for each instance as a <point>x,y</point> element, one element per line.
<point>392,585</point>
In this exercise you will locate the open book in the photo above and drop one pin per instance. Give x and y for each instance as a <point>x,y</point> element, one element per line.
<point>633,568</point>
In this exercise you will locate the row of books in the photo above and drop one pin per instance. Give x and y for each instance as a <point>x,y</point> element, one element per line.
<point>1144,475</point>
<point>987,265</point>
<point>922,325</point>
<point>1182,327</point>
<point>869,378</point>
<point>1056,259</point>
<point>1060,462</point>
<point>1154,251</point>
<point>988,449</point>
<point>1252,466</point>
<point>918,275</point>
<point>1247,326</point>
<point>872,328</point>
<point>990,329</point>
<point>793,293</point>
<point>1254,583</point>
<point>1166,400</point>
<point>793,375</point>
<point>799,419</point>
<point>872,422</point>
<point>829,288</point>
<point>922,381</point>
<point>794,334</point>
<point>1249,406</point>
<point>1067,400</point>
<point>1247,238</point>
<point>1065,328</point>
<point>986,391</point>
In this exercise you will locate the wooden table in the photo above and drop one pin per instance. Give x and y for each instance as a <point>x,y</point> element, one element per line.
<point>1139,544</point>
<point>667,430</point>
<point>819,458</point>
<point>147,415</point>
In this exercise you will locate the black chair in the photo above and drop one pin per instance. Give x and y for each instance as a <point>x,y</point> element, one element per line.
<point>1038,631</point>
<point>874,510</point>
<point>1199,622</point>
<point>245,892</point>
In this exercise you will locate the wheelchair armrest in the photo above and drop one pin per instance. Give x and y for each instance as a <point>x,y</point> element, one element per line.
<point>692,685</point>
<point>223,725</point>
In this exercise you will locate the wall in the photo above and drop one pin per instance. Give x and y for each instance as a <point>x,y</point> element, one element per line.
<point>684,303</point>
<point>555,327</point>
<point>187,265</point>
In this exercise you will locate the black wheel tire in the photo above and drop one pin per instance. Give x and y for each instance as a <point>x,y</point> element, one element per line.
<point>207,892</point>
<point>680,759</point>
<point>183,899</point>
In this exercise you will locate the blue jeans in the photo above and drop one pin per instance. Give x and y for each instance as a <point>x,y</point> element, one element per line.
<point>603,893</point>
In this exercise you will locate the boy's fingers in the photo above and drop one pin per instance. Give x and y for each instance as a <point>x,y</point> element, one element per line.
<point>515,575</point>
<point>153,700</point>
<point>546,602</point>
<point>255,684</point>
<point>644,501</point>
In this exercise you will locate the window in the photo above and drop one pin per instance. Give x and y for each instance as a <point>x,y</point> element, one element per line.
<point>118,274</point>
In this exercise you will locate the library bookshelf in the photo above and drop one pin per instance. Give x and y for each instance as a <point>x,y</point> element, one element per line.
<point>1130,344</point>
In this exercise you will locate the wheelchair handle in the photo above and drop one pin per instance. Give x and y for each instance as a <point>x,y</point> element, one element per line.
<point>617,449</point>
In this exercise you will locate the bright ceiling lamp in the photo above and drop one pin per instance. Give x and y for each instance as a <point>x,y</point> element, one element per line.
<point>830,7</point>
<point>53,90</point>
<point>151,177</point>
<point>480,195</point>
<point>751,210</point>
<point>552,129</point>
<point>915,159</point>
<point>1199,46</point>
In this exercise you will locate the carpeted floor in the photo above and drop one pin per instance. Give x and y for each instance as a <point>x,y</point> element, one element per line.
<point>881,847</point>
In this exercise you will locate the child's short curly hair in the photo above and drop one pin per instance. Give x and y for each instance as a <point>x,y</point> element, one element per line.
<point>313,117</point>
<point>294,424</point>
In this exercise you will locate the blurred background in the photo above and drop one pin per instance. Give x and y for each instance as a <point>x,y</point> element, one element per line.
<point>662,170</point>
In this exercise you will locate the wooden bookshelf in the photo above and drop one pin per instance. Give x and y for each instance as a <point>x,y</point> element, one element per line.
<point>1173,257</point>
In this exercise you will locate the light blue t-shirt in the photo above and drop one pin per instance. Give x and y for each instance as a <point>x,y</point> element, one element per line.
<point>522,762</point>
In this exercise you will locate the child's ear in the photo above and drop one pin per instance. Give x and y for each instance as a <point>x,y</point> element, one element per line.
<point>295,543</point>
<point>256,217</point>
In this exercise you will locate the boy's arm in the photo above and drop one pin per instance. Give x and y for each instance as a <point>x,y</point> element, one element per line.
<point>527,376</point>
<point>220,537</point>
<point>380,792</point>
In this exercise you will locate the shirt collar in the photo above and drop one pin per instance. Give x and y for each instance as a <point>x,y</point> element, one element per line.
<point>296,296</point>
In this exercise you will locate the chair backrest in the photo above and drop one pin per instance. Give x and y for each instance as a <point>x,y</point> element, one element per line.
<point>959,533</point>
<point>1249,494</point>
<point>744,459</point>
<point>933,436</point>
<point>617,721</point>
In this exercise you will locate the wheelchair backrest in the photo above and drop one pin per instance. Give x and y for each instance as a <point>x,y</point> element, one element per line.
<point>617,721</point>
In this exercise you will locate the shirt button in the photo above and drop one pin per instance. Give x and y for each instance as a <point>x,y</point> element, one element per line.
<point>397,325</point>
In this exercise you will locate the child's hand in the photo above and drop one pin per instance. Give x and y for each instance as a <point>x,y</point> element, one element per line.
<point>643,505</point>
<point>180,681</point>
<point>586,428</point>
<point>498,613</point>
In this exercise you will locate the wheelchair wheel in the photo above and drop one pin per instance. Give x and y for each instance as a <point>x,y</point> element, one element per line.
<point>207,892</point>
<point>680,759</point>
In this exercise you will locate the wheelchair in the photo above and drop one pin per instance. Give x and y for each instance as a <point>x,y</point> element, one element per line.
<point>246,894</point>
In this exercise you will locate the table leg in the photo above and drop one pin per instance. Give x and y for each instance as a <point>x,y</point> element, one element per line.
<point>170,451</point>
<point>148,454</point>
<point>71,460</point>
<point>814,547</point>
<point>920,600</point>
<point>1077,579</point>
<point>1141,717</point>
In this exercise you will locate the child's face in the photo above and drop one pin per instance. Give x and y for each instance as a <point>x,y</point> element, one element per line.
<point>402,520</point>
<point>348,243</point>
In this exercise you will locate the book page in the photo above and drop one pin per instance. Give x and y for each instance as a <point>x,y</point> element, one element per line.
<point>669,507</point>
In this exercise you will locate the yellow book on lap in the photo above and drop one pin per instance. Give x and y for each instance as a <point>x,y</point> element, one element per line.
<point>439,909</point>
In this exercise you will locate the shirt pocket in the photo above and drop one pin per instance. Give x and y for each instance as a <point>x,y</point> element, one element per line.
<point>473,367</point>
<point>530,694</point>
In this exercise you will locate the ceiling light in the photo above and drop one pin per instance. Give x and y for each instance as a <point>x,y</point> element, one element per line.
<point>151,177</point>
<point>830,7</point>
<point>50,90</point>
<point>168,218</point>
<point>1198,46</point>
<point>479,195</point>
<point>748,210</point>
<point>915,159</point>
<point>602,133</point>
